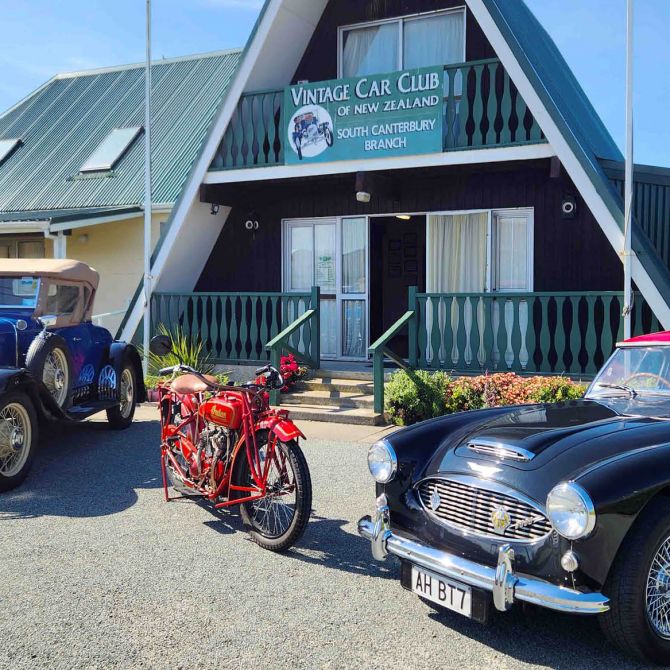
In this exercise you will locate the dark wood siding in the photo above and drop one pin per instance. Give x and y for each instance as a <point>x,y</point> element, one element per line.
<point>319,62</point>
<point>570,255</point>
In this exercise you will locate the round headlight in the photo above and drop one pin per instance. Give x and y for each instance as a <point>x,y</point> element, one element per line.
<point>382,462</point>
<point>571,511</point>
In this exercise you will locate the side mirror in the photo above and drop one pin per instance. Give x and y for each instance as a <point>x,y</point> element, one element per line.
<point>160,345</point>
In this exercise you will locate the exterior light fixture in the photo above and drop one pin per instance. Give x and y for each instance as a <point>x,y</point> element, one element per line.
<point>403,217</point>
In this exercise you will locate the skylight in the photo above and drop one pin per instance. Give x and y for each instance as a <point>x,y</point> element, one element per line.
<point>7,147</point>
<point>111,149</point>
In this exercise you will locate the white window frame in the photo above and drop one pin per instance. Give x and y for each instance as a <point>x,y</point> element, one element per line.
<point>491,241</point>
<point>337,294</point>
<point>400,20</point>
<point>530,213</point>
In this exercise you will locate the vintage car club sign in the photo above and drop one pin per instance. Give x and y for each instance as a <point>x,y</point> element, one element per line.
<point>396,114</point>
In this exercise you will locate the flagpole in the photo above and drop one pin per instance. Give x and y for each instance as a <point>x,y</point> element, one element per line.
<point>628,178</point>
<point>147,192</point>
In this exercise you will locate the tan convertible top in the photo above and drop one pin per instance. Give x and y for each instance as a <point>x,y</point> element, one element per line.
<point>45,267</point>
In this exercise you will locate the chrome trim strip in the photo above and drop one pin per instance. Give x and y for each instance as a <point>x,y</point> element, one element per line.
<point>490,486</point>
<point>501,581</point>
<point>501,450</point>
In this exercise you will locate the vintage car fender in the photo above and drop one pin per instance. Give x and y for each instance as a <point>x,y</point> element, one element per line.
<point>620,487</point>
<point>20,379</point>
<point>119,352</point>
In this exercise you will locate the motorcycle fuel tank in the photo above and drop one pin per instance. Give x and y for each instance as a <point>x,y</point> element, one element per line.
<point>223,411</point>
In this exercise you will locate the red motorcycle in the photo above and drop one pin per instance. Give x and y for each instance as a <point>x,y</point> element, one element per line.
<point>225,443</point>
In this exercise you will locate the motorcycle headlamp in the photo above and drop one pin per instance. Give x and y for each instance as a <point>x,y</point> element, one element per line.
<point>382,462</point>
<point>571,511</point>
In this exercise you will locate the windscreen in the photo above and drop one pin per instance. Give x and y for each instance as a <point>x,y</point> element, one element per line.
<point>18,292</point>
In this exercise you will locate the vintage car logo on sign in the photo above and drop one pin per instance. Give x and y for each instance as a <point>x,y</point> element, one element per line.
<point>500,520</point>
<point>435,501</point>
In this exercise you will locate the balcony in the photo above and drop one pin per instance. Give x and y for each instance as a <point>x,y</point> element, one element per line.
<point>482,109</point>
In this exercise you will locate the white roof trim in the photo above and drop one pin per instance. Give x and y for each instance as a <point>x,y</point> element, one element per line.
<point>469,157</point>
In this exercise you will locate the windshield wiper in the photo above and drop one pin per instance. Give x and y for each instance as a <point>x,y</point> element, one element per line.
<point>621,387</point>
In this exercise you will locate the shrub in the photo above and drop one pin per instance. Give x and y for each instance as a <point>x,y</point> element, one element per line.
<point>415,395</point>
<point>184,350</point>
<point>411,395</point>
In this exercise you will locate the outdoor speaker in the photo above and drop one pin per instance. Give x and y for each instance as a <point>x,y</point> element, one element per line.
<point>569,207</point>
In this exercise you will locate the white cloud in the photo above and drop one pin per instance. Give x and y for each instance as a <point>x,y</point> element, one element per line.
<point>252,5</point>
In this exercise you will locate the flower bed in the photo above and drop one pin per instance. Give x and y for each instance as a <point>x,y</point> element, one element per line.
<point>416,395</point>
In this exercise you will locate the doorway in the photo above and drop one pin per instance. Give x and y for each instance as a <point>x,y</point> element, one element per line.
<point>332,254</point>
<point>397,251</point>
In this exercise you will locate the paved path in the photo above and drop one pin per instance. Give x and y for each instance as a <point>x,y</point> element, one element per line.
<point>96,571</point>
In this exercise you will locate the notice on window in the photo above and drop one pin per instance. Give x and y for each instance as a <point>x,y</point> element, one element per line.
<point>325,271</point>
<point>396,114</point>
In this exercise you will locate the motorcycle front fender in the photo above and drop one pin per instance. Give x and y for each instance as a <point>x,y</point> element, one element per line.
<point>284,429</point>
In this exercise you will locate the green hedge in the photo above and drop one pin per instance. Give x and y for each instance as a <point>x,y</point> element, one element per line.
<point>416,395</point>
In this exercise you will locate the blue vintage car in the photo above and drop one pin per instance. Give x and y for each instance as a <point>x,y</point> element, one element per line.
<point>54,363</point>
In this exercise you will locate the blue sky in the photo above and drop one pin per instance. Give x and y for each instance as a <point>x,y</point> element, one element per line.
<point>42,37</point>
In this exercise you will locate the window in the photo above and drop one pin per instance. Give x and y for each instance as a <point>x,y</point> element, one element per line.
<point>7,148</point>
<point>21,248</point>
<point>511,232</point>
<point>62,299</point>
<point>18,291</point>
<point>472,252</point>
<point>111,149</point>
<point>403,44</point>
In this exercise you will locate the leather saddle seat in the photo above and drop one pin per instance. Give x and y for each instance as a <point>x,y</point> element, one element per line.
<point>185,384</point>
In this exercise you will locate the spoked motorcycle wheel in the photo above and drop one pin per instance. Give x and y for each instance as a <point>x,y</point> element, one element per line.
<point>277,521</point>
<point>175,480</point>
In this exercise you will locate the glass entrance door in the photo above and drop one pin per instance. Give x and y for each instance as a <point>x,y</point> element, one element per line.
<point>332,254</point>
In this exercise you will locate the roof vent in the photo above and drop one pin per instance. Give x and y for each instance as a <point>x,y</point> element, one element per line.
<point>111,149</point>
<point>500,451</point>
<point>7,148</point>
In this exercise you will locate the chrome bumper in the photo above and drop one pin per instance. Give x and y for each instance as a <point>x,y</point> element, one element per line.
<point>501,581</point>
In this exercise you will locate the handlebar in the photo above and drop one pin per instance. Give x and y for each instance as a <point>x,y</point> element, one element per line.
<point>274,377</point>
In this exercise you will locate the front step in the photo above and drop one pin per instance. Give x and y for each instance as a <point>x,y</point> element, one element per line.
<point>330,398</point>
<point>337,396</point>
<point>334,414</point>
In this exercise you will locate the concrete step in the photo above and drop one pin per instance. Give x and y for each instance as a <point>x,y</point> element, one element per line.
<point>321,396</point>
<point>358,416</point>
<point>352,375</point>
<point>337,385</point>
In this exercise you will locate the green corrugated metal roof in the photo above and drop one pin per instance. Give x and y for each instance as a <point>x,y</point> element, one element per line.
<point>63,122</point>
<point>63,215</point>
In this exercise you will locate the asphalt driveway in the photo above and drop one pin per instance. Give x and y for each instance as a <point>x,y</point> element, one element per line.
<point>96,571</point>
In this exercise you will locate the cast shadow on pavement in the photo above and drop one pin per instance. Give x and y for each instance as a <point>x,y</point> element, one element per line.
<point>538,636</point>
<point>87,470</point>
<point>324,543</point>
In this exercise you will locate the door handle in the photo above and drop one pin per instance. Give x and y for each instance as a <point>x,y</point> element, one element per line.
<point>76,339</point>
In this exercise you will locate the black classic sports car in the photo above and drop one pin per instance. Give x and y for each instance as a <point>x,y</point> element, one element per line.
<point>565,506</point>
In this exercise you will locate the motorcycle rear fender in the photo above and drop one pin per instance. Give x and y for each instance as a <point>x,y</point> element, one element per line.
<point>284,429</point>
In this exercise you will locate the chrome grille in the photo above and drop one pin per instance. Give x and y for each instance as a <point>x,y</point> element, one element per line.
<point>471,508</point>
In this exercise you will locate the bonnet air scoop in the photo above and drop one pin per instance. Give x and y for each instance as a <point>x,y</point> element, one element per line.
<point>500,450</point>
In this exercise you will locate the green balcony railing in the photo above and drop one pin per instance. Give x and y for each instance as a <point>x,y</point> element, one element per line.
<point>538,333</point>
<point>236,327</point>
<point>482,108</point>
<point>254,135</point>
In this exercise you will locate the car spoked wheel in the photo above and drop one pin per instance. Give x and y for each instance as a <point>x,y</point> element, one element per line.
<point>18,439</point>
<point>639,588</point>
<point>277,520</point>
<point>658,591</point>
<point>48,359</point>
<point>55,375</point>
<point>121,415</point>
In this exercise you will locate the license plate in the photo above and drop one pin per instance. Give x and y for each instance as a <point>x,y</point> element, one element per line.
<point>446,592</point>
